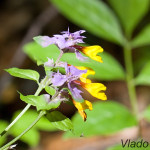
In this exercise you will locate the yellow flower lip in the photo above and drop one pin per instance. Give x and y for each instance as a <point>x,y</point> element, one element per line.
<point>95,89</point>
<point>91,51</point>
<point>82,106</point>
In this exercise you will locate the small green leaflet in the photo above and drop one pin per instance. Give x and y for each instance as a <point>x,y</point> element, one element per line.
<point>40,102</point>
<point>50,90</point>
<point>24,73</point>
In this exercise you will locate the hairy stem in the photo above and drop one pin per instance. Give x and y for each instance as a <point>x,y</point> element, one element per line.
<point>59,57</point>
<point>42,113</point>
<point>129,79</point>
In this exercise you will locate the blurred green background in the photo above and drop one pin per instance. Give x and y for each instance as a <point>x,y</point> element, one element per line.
<point>112,24</point>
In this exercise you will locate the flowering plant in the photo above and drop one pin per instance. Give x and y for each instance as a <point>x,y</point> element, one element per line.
<point>124,23</point>
<point>62,82</point>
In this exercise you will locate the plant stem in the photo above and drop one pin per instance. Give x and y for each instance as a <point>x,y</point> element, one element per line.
<point>59,57</point>
<point>16,119</point>
<point>129,79</point>
<point>22,113</point>
<point>42,113</point>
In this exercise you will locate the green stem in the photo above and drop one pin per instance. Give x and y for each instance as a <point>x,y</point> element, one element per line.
<point>42,113</point>
<point>22,113</point>
<point>129,79</point>
<point>15,120</point>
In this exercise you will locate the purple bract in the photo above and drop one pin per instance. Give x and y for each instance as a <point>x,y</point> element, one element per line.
<point>72,74</point>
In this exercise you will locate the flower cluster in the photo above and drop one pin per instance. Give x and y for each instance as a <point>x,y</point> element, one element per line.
<point>74,76</point>
<point>68,41</point>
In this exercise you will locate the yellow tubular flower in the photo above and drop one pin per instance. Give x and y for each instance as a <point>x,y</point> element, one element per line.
<point>95,89</point>
<point>83,77</point>
<point>82,106</point>
<point>92,52</point>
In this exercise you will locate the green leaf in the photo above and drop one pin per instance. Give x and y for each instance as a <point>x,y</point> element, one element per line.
<point>109,70</point>
<point>92,15</point>
<point>30,99</point>
<point>41,102</point>
<point>31,137</point>
<point>146,113</point>
<point>144,76</point>
<point>3,125</point>
<point>50,90</point>
<point>130,12</point>
<point>104,119</point>
<point>24,73</point>
<point>59,120</point>
<point>143,38</point>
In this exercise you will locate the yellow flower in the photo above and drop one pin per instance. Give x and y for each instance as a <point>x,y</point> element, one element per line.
<point>83,77</point>
<point>92,52</point>
<point>82,106</point>
<point>95,89</point>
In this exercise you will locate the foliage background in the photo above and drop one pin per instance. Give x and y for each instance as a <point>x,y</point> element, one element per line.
<point>109,24</point>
